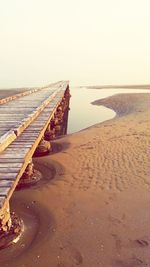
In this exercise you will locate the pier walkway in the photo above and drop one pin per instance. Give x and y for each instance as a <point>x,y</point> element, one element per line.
<point>24,119</point>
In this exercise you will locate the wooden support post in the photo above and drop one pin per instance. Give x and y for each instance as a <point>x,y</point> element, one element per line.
<point>49,133</point>
<point>43,148</point>
<point>11,227</point>
<point>65,122</point>
<point>61,115</point>
<point>28,171</point>
<point>5,219</point>
<point>30,176</point>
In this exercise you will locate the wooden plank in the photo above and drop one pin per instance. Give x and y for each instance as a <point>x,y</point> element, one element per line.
<point>5,155</point>
<point>4,130</point>
<point>2,200</point>
<point>15,109</point>
<point>4,191</point>
<point>16,149</point>
<point>32,134</point>
<point>10,165</point>
<point>13,160</point>
<point>8,176</point>
<point>6,183</point>
<point>6,139</point>
<point>20,145</point>
<point>8,121</point>
<point>15,115</point>
<point>7,170</point>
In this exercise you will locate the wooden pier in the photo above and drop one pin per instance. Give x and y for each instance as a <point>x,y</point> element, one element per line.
<point>26,119</point>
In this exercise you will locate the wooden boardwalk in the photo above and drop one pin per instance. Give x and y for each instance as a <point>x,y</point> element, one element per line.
<point>24,119</point>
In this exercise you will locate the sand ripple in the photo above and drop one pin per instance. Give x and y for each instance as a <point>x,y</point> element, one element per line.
<point>114,155</point>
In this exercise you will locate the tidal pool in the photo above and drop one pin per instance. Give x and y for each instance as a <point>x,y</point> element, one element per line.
<point>83,114</point>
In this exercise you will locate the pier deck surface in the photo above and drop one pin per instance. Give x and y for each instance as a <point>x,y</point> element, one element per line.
<point>25,118</point>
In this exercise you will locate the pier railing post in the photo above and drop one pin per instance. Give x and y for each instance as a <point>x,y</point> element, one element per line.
<point>5,219</point>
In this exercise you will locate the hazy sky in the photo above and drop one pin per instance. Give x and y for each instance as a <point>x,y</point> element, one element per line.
<point>84,41</point>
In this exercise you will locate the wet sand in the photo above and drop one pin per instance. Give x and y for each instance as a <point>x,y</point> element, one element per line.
<point>95,210</point>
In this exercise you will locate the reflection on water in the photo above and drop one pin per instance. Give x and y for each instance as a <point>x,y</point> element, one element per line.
<point>83,114</point>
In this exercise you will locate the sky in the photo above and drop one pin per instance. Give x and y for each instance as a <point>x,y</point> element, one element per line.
<point>89,42</point>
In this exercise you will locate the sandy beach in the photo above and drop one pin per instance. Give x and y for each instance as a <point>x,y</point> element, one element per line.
<point>91,208</point>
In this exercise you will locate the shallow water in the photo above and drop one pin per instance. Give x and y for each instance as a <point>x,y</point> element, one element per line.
<point>83,114</point>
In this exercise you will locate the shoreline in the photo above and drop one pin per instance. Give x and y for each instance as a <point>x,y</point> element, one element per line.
<point>144,87</point>
<point>123,104</point>
<point>87,214</point>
